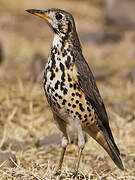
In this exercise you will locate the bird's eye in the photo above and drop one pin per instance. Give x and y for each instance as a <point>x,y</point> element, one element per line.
<point>58,16</point>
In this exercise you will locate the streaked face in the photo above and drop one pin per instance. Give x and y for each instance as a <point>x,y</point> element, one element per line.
<point>60,21</point>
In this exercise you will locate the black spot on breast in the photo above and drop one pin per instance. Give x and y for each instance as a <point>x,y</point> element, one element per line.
<point>64,102</point>
<point>73,106</point>
<point>58,58</point>
<point>69,104</point>
<point>64,53</point>
<point>61,86</point>
<point>80,116</point>
<point>68,49</point>
<point>54,98</point>
<point>89,114</point>
<point>92,119</point>
<point>72,99</point>
<point>87,123</point>
<point>63,76</point>
<point>76,101</point>
<point>60,97</point>
<point>85,116</point>
<point>62,47</point>
<point>65,91</point>
<point>74,86</point>
<point>67,62</point>
<point>53,60</point>
<point>57,84</point>
<point>48,88</point>
<point>70,85</point>
<point>62,67</point>
<point>56,94</point>
<point>55,50</point>
<point>45,80</point>
<point>69,78</point>
<point>69,58</point>
<point>71,111</point>
<point>81,107</point>
<point>52,75</point>
<point>88,109</point>
<point>73,94</point>
<point>87,100</point>
<point>87,103</point>
<point>57,69</point>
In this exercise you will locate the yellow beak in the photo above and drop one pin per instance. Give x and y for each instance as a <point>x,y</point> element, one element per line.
<point>39,13</point>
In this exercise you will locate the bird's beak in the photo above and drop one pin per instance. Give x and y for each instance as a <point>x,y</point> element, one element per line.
<point>39,13</point>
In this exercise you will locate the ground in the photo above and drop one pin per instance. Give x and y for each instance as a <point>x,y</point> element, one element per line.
<point>25,116</point>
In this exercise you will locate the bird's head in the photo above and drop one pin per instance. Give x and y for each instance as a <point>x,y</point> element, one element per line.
<point>60,21</point>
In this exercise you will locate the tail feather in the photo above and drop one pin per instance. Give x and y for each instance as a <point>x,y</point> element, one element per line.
<point>109,145</point>
<point>114,154</point>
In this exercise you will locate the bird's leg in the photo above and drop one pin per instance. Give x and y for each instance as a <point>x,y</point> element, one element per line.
<point>78,159</point>
<point>64,142</point>
<point>81,144</point>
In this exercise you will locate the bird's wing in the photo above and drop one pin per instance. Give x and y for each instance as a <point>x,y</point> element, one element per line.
<point>87,83</point>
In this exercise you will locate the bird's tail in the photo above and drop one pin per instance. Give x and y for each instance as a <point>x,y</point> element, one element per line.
<point>104,140</point>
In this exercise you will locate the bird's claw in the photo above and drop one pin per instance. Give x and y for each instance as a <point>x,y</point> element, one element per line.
<point>57,173</point>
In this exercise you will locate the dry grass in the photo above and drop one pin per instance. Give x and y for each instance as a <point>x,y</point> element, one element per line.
<point>24,112</point>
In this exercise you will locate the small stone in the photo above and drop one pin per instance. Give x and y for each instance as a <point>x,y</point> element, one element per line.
<point>7,159</point>
<point>14,144</point>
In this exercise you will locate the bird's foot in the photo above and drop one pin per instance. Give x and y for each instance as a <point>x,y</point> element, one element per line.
<point>77,175</point>
<point>57,173</point>
<point>74,174</point>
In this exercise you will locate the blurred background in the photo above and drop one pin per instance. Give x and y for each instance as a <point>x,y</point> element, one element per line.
<point>106,29</point>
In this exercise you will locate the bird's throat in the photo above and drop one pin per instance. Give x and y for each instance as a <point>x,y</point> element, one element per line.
<point>57,41</point>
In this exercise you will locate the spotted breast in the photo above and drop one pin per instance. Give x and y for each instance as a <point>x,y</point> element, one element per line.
<point>61,85</point>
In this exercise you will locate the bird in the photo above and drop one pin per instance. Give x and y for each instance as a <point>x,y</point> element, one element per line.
<point>71,89</point>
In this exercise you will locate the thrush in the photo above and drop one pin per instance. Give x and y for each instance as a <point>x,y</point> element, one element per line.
<point>71,90</point>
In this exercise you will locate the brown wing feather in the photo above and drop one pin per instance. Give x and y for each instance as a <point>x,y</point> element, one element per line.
<point>87,83</point>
